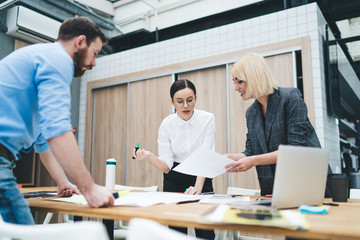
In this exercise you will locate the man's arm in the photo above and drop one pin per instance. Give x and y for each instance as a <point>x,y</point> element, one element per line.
<point>65,188</point>
<point>65,150</point>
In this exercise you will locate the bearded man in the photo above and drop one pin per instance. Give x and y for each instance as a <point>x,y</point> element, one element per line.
<point>35,112</point>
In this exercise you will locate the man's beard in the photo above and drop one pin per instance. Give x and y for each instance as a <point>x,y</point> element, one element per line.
<point>79,63</point>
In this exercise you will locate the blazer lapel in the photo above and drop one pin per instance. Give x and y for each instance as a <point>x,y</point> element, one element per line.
<point>258,120</point>
<point>272,106</point>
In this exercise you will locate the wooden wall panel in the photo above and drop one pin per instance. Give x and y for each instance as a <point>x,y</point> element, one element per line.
<point>211,96</point>
<point>307,78</point>
<point>282,67</point>
<point>279,64</point>
<point>109,135</point>
<point>149,104</point>
<point>19,44</point>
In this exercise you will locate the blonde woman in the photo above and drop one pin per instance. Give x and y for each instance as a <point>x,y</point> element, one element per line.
<point>278,116</point>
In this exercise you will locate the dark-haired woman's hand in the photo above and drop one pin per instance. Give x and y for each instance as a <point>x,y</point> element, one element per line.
<point>193,190</point>
<point>141,154</point>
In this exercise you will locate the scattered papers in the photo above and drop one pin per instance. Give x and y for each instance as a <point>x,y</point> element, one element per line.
<point>256,216</point>
<point>73,199</point>
<point>146,199</point>
<point>139,199</point>
<point>205,163</point>
<point>226,199</point>
<point>130,188</point>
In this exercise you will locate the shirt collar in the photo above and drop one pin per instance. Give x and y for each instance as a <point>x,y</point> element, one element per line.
<point>191,121</point>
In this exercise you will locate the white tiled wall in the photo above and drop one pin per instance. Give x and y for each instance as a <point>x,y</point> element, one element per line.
<point>326,125</point>
<point>284,25</point>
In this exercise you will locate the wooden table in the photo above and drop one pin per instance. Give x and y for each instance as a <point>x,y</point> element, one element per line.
<point>341,222</point>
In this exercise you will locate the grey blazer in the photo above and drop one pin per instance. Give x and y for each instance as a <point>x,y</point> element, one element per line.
<point>286,123</point>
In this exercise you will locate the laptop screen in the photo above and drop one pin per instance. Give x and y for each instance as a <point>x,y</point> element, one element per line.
<point>300,176</point>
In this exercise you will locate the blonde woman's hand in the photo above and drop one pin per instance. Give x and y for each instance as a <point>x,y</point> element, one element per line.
<point>240,165</point>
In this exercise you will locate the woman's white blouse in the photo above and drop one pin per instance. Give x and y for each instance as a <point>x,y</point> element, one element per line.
<point>177,138</point>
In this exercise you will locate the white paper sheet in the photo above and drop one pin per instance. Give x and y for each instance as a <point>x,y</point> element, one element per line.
<point>146,199</point>
<point>205,163</point>
<point>79,199</point>
<point>226,199</point>
<point>140,199</point>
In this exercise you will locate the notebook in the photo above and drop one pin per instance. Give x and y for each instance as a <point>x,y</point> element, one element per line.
<point>300,177</point>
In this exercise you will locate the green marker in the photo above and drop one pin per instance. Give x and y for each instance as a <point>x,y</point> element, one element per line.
<point>136,148</point>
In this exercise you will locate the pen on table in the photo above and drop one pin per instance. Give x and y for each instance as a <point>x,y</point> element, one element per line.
<point>188,201</point>
<point>136,148</point>
<point>207,193</point>
<point>330,204</point>
<point>236,195</point>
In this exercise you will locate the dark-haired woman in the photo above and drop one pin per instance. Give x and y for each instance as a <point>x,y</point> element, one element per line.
<point>180,134</point>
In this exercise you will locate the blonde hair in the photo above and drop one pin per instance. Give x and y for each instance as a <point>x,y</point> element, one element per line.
<point>253,69</point>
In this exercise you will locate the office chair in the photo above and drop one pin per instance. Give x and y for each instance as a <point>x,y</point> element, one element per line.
<point>140,229</point>
<point>60,231</point>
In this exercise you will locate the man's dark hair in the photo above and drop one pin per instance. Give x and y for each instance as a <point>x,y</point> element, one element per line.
<point>77,26</point>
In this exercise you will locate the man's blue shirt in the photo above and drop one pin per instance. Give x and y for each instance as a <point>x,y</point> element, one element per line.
<point>34,96</point>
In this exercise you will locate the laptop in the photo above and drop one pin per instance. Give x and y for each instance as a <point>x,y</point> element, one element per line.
<point>300,177</point>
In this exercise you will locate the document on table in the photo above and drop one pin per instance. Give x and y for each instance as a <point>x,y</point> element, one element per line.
<point>140,199</point>
<point>252,216</point>
<point>226,199</point>
<point>205,163</point>
<point>145,199</point>
<point>79,199</point>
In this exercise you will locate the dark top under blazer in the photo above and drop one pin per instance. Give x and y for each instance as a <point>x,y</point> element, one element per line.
<point>286,122</point>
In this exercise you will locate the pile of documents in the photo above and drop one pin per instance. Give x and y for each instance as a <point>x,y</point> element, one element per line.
<point>258,216</point>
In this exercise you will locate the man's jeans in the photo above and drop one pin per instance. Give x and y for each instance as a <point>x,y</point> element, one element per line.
<point>13,207</point>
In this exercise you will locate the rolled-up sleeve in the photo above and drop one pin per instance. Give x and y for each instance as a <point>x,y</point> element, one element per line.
<point>41,145</point>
